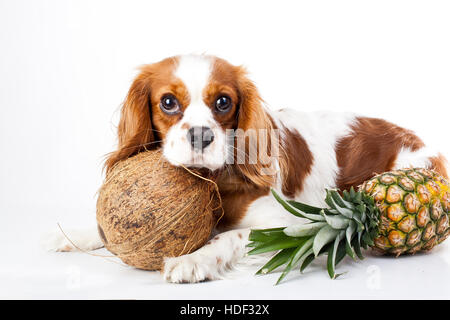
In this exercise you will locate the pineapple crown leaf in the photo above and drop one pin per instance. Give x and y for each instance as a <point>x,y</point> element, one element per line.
<point>347,225</point>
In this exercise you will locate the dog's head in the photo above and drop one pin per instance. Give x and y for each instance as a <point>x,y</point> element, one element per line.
<point>191,106</point>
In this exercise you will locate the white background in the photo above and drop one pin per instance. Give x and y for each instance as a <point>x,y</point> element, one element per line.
<point>65,67</point>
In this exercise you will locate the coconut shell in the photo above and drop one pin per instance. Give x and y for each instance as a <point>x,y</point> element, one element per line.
<point>148,209</point>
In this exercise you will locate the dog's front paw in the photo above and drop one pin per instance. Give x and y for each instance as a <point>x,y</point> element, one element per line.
<point>191,268</point>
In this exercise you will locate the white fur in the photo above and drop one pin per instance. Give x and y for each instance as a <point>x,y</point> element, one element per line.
<point>321,131</point>
<point>414,159</point>
<point>210,262</point>
<point>194,71</point>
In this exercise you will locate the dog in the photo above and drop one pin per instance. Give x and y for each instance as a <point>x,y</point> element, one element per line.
<point>206,113</point>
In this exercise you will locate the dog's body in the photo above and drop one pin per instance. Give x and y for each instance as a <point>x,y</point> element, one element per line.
<point>187,105</point>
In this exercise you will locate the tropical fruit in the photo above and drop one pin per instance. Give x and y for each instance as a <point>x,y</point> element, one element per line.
<point>148,209</point>
<point>397,212</point>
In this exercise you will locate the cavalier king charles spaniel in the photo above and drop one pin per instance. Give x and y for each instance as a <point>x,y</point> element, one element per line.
<point>206,113</point>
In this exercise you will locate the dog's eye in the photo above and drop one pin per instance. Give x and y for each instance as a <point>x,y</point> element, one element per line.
<point>223,104</point>
<point>169,104</point>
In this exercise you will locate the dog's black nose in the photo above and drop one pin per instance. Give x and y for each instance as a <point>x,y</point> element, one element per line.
<point>200,137</point>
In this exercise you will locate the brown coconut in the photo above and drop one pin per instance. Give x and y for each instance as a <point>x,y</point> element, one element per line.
<point>147,210</point>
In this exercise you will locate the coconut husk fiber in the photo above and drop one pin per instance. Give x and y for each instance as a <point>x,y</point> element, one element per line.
<point>148,209</point>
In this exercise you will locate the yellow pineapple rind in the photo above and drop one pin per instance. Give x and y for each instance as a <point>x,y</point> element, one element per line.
<point>414,210</point>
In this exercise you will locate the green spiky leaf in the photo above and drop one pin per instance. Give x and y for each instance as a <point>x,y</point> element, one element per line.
<point>331,261</point>
<point>277,244</point>
<point>304,229</point>
<point>357,246</point>
<point>296,212</point>
<point>342,210</point>
<point>279,259</point>
<point>352,193</point>
<point>304,207</point>
<point>348,239</point>
<point>348,224</point>
<point>307,260</point>
<point>295,257</point>
<point>336,222</point>
<point>340,201</point>
<point>265,234</point>
<point>323,237</point>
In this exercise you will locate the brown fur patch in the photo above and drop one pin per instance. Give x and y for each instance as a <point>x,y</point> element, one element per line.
<point>223,81</point>
<point>162,121</point>
<point>371,148</point>
<point>440,165</point>
<point>298,161</point>
<point>140,111</point>
<point>237,193</point>
<point>253,118</point>
<point>243,182</point>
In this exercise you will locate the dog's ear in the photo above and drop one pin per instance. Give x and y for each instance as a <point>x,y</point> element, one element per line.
<point>255,131</point>
<point>135,130</point>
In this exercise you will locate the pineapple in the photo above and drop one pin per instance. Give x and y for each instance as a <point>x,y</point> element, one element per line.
<point>398,212</point>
